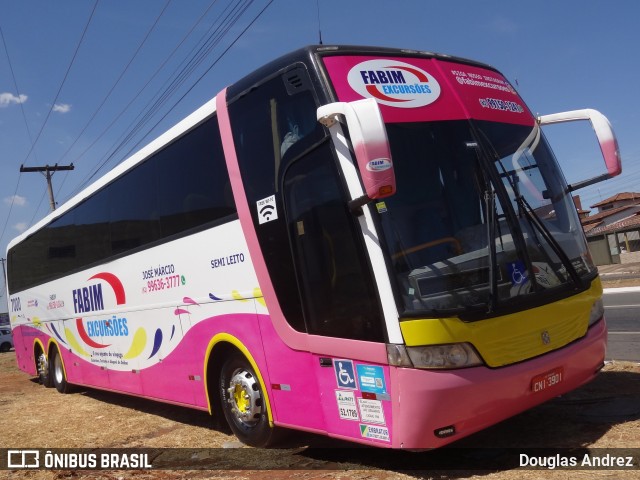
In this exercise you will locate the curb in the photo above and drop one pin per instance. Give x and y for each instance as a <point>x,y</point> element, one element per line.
<point>621,290</point>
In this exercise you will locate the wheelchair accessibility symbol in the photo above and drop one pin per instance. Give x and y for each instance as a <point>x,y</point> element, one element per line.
<point>345,374</point>
<point>517,272</point>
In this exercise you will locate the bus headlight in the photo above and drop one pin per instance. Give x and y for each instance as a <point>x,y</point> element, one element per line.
<point>456,355</point>
<point>597,312</point>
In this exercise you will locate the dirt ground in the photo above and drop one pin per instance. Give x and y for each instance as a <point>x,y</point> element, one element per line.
<point>604,414</point>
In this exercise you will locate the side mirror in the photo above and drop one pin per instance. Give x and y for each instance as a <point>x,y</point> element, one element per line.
<point>370,143</point>
<point>606,139</point>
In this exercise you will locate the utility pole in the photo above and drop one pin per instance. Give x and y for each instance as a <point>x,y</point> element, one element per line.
<point>4,272</point>
<point>48,173</point>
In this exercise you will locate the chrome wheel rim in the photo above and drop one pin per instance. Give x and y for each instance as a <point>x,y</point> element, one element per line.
<point>244,398</point>
<point>58,371</point>
<point>42,365</point>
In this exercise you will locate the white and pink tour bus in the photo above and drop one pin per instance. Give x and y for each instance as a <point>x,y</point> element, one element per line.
<point>372,244</point>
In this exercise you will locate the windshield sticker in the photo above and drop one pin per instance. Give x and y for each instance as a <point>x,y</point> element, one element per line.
<point>485,81</point>
<point>394,83</point>
<point>426,89</point>
<point>267,210</point>
<point>517,273</point>
<point>381,207</point>
<point>505,106</point>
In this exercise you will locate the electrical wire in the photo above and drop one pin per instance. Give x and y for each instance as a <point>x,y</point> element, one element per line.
<point>212,41</point>
<point>225,28</point>
<point>34,142</point>
<point>204,74</point>
<point>15,83</point>
<point>219,32</point>
<point>113,87</point>
<point>55,100</point>
<point>195,60</point>
<point>139,92</point>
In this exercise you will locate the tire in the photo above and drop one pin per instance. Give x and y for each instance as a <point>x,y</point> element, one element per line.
<point>243,402</point>
<point>43,369</point>
<point>5,347</point>
<point>57,372</point>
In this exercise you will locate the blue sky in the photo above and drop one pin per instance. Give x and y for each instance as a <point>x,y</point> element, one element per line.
<point>560,55</point>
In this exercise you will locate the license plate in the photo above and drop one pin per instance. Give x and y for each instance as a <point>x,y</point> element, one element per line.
<point>547,380</point>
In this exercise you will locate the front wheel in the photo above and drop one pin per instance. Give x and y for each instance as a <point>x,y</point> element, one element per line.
<point>244,402</point>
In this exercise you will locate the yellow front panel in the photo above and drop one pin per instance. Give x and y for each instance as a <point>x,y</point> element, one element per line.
<point>511,338</point>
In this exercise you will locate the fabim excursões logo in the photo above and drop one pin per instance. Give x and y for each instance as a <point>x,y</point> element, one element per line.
<point>394,83</point>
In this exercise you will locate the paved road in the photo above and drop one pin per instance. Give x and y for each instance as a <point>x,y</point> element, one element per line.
<point>622,309</point>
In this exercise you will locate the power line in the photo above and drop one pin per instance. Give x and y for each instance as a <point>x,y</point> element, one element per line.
<point>135,96</point>
<point>196,59</point>
<point>34,142</point>
<point>4,274</point>
<point>213,39</point>
<point>224,28</point>
<point>15,83</point>
<point>75,53</point>
<point>126,68</point>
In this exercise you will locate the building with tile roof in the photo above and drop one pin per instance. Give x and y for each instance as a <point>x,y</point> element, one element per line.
<point>613,232</point>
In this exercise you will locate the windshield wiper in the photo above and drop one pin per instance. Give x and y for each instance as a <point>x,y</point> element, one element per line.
<point>531,142</point>
<point>529,213</point>
<point>490,214</point>
<point>535,222</point>
<point>490,206</point>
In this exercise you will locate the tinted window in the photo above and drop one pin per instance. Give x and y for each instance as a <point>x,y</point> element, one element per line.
<point>183,187</point>
<point>133,208</point>
<point>323,286</point>
<point>192,183</point>
<point>91,229</point>
<point>271,126</point>
<point>340,299</point>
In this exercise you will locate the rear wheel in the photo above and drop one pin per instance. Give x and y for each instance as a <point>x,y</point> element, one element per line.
<point>42,365</point>
<point>244,402</point>
<point>57,372</point>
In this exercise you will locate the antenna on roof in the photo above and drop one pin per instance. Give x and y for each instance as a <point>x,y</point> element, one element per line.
<point>319,27</point>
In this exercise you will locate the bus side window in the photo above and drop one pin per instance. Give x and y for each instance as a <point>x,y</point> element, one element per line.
<point>270,125</point>
<point>193,183</point>
<point>340,299</point>
<point>131,207</point>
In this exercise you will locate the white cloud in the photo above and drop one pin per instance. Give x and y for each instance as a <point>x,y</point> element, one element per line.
<point>17,200</point>
<point>21,227</point>
<point>7,99</point>
<point>61,107</point>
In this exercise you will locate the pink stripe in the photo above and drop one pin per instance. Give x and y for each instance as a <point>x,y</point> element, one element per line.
<point>368,351</point>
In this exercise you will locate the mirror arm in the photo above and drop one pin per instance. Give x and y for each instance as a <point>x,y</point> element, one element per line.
<point>355,205</point>
<point>585,183</point>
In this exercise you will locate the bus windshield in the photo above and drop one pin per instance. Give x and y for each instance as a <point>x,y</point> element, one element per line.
<point>482,217</point>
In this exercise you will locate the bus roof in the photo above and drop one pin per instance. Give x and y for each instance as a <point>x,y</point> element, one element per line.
<point>308,55</point>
